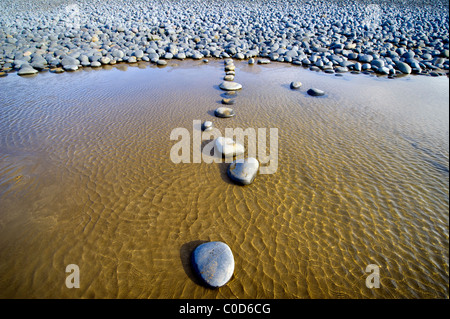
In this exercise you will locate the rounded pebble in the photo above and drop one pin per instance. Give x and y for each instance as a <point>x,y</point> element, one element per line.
<point>213,263</point>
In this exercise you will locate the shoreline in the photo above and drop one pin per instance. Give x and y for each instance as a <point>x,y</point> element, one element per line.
<point>331,36</point>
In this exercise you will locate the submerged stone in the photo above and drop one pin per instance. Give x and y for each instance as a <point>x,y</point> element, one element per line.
<point>213,263</point>
<point>224,112</point>
<point>228,147</point>
<point>230,86</point>
<point>243,171</point>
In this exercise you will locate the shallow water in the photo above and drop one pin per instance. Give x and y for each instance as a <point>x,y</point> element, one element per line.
<point>86,178</point>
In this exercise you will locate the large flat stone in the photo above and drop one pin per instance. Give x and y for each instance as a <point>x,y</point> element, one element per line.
<point>213,263</point>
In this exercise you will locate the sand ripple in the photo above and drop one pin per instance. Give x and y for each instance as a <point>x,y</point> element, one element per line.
<point>86,178</point>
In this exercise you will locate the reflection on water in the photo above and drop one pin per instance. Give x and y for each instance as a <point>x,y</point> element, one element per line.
<point>86,179</point>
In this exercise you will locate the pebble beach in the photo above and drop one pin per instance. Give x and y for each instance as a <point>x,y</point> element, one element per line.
<point>385,37</point>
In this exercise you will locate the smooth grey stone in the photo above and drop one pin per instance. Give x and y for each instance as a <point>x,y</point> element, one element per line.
<point>251,61</point>
<point>161,62</point>
<point>213,263</point>
<point>230,86</point>
<point>69,61</point>
<point>228,77</point>
<point>224,112</point>
<point>243,171</point>
<point>132,59</point>
<point>228,147</point>
<point>377,63</point>
<point>207,126</point>
<point>96,64</point>
<point>197,56</point>
<point>180,56</point>
<point>118,54</point>
<point>403,67</point>
<point>229,67</point>
<point>105,60</point>
<point>227,101</point>
<point>138,54</point>
<point>383,70</point>
<point>27,70</point>
<point>366,66</point>
<point>69,67</point>
<point>341,69</point>
<point>315,92</point>
<point>263,61</point>
<point>365,58</point>
<point>295,85</point>
<point>38,66</point>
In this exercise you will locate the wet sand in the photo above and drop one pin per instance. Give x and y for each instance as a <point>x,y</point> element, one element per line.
<point>86,179</point>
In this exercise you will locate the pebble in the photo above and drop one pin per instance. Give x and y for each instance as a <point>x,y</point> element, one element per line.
<point>308,33</point>
<point>228,101</point>
<point>71,67</point>
<point>263,61</point>
<point>315,92</point>
<point>243,171</point>
<point>95,64</point>
<point>403,67</point>
<point>228,147</point>
<point>230,67</point>
<point>230,86</point>
<point>213,263</point>
<point>224,112</point>
<point>228,77</point>
<point>296,85</point>
<point>207,126</point>
<point>27,70</point>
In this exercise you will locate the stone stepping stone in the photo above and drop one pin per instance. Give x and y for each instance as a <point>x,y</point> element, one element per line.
<point>230,86</point>
<point>224,112</point>
<point>315,92</point>
<point>228,147</point>
<point>243,171</point>
<point>228,77</point>
<point>213,263</point>
<point>230,93</point>
<point>296,85</point>
<point>207,126</point>
<point>230,67</point>
<point>228,101</point>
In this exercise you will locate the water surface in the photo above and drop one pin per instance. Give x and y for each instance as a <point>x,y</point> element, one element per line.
<point>86,178</point>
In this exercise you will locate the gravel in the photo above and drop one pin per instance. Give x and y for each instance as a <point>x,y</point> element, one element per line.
<point>404,36</point>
